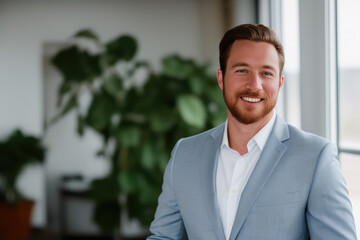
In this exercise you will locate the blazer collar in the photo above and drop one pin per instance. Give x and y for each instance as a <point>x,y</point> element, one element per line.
<point>273,151</point>
<point>208,177</point>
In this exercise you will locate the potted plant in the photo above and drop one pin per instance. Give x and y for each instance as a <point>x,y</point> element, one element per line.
<point>16,152</point>
<point>139,120</point>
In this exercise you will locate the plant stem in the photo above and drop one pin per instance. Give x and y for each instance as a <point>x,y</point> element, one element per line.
<point>123,158</point>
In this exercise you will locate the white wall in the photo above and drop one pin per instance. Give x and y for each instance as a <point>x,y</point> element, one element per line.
<point>161,27</point>
<point>244,11</point>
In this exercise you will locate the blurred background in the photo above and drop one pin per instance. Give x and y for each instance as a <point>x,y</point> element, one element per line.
<point>130,73</point>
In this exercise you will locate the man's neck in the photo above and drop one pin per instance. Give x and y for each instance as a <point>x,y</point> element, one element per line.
<point>239,134</point>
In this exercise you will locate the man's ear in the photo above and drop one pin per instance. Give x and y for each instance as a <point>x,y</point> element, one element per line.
<point>220,79</point>
<point>281,81</point>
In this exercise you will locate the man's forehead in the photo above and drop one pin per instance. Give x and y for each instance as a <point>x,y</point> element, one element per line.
<point>251,53</point>
<point>252,46</point>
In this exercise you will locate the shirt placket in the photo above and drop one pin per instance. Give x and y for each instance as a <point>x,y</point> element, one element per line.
<point>234,194</point>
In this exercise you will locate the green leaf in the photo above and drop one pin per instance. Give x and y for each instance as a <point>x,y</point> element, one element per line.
<point>146,197</point>
<point>214,94</point>
<point>149,156</point>
<point>122,48</point>
<point>105,189</point>
<point>138,65</point>
<point>161,121</point>
<point>148,194</point>
<point>192,110</point>
<point>145,214</point>
<point>163,160</point>
<point>86,33</point>
<point>107,215</point>
<point>128,136</point>
<point>177,67</point>
<point>77,65</point>
<point>219,116</point>
<point>113,85</point>
<point>100,112</point>
<point>129,181</point>
<point>196,84</point>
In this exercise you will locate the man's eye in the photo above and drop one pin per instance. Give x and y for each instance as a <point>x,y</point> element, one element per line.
<point>267,73</point>
<point>241,71</point>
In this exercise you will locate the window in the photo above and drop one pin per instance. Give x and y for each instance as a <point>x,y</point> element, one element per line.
<point>290,40</point>
<point>349,74</point>
<point>348,104</point>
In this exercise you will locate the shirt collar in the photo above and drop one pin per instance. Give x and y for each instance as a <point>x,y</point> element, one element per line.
<point>260,137</point>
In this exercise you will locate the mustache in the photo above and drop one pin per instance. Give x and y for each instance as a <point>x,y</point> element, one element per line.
<point>249,93</point>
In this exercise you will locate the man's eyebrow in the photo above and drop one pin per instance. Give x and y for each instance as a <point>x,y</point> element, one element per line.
<point>240,65</point>
<point>247,65</point>
<point>269,67</point>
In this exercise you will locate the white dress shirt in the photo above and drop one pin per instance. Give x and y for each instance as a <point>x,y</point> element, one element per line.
<point>233,172</point>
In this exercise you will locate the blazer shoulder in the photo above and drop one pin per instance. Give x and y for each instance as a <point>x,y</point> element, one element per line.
<point>214,133</point>
<point>291,135</point>
<point>306,139</point>
<point>199,144</point>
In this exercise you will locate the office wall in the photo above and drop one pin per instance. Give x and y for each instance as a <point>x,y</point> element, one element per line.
<point>191,28</point>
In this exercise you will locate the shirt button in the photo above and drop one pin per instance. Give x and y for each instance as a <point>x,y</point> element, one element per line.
<point>230,224</point>
<point>233,191</point>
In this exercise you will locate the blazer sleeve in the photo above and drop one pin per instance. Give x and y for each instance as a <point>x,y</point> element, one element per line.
<point>329,211</point>
<point>168,223</point>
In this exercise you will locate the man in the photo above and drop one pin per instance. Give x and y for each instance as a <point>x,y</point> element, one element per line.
<point>253,177</point>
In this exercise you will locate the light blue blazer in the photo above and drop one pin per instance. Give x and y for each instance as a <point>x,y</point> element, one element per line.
<point>296,191</point>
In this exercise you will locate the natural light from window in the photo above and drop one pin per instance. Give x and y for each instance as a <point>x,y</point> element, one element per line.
<point>349,106</point>
<point>290,40</point>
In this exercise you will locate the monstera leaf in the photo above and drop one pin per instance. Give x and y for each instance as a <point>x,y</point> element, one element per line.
<point>100,111</point>
<point>87,33</point>
<point>177,67</point>
<point>122,48</point>
<point>77,65</point>
<point>192,110</point>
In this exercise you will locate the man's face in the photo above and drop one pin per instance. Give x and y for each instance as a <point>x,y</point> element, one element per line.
<point>252,80</point>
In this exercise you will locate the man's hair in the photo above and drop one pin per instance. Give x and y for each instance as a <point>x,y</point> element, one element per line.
<point>252,32</point>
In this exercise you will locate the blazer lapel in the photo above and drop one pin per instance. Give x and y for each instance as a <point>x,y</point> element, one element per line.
<point>270,156</point>
<point>208,175</point>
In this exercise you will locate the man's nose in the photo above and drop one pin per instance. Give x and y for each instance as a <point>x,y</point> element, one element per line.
<point>254,82</point>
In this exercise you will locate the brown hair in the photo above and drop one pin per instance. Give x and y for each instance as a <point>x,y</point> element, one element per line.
<point>252,32</point>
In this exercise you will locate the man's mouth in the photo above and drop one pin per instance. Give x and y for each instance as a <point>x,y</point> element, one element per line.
<point>251,99</point>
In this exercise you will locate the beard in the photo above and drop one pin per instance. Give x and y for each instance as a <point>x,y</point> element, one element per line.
<point>249,114</point>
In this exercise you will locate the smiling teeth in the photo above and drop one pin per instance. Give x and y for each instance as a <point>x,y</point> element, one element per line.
<point>251,99</point>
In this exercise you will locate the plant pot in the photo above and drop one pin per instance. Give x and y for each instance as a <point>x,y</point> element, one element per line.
<point>15,220</point>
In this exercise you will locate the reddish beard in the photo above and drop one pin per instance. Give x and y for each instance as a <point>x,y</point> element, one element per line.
<point>249,114</point>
